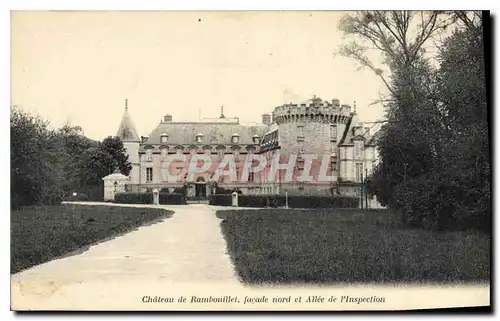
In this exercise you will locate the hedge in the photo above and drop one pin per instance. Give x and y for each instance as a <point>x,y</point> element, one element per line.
<point>172,198</point>
<point>440,201</point>
<point>147,198</point>
<point>294,201</point>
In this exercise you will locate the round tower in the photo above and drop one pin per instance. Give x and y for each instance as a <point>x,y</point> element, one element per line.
<point>314,127</point>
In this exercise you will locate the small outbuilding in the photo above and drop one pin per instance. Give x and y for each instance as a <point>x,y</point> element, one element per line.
<point>115,183</point>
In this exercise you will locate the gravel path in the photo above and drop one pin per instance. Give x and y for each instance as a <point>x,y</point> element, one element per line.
<point>182,252</point>
<point>185,256</point>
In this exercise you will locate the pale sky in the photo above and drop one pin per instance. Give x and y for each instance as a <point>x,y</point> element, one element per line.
<point>80,66</point>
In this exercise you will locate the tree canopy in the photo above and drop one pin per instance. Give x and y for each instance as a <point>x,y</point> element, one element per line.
<point>434,168</point>
<point>50,164</point>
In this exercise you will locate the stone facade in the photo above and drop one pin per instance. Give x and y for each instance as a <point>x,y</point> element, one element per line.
<point>312,127</point>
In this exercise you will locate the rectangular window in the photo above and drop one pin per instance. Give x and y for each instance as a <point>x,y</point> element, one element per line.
<point>164,152</point>
<point>359,172</point>
<point>300,147</point>
<point>149,155</point>
<point>334,166</point>
<point>149,174</point>
<point>300,163</point>
<point>300,131</point>
<point>358,148</point>
<point>333,147</point>
<point>251,177</point>
<point>221,154</point>
<point>178,151</point>
<point>333,132</point>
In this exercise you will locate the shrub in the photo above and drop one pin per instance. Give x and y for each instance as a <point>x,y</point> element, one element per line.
<point>180,190</point>
<point>134,198</point>
<point>147,198</point>
<point>220,199</point>
<point>95,194</point>
<point>221,190</point>
<point>442,201</point>
<point>294,201</point>
<point>173,198</point>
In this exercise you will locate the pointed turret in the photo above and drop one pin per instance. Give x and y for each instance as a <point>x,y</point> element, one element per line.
<point>126,131</point>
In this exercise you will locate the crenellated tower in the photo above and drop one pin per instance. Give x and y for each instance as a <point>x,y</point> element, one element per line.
<point>313,126</point>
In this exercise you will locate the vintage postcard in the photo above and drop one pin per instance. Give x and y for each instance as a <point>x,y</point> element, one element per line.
<point>250,160</point>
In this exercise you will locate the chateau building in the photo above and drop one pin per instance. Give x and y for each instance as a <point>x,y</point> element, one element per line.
<point>343,149</point>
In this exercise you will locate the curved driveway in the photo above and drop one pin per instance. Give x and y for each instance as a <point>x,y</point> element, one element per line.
<point>186,252</point>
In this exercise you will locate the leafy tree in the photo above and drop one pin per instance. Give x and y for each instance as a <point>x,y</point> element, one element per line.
<point>114,147</point>
<point>98,164</point>
<point>73,146</point>
<point>48,165</point>
<point>33,155</point>
<point>434,148</point>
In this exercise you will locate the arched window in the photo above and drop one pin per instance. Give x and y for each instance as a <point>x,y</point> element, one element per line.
<point>199,137</point>
<point>256,139</point>
<point>164,138</point>
<point>235,138</point>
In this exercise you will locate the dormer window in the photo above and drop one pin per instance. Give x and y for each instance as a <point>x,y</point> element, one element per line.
<point>199,137</point>
<point>255,139</point>
<point>235,138</point>
<point>164,138</point>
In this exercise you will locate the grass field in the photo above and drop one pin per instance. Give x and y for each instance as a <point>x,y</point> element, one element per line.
<point>40,234</point>
<point>348,246</point>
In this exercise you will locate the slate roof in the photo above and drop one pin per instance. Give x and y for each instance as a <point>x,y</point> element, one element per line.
<point>184,133</point>
<point>126,130</point>
<point>116,177</point>
<point>348,135</point>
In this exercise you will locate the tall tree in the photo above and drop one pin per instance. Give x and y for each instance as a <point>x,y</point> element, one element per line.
<point>33,156</point>
<point>114,147</point>
<point>434,164</point>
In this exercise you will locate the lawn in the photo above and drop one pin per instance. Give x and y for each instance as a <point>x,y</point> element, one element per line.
<point>41,234</point>
<point>348,246</point>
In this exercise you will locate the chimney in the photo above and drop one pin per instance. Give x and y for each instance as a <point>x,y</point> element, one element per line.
<point>167,118</point>
<point>266,119</point>
<point>346,109</point>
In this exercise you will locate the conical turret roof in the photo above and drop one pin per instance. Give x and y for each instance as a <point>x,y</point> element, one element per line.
<point>126,131</point>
